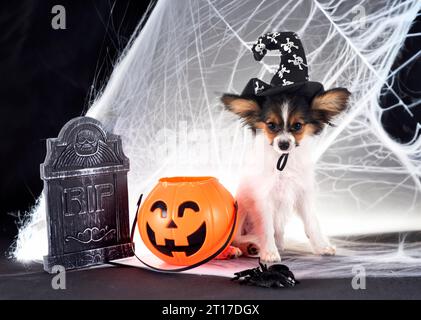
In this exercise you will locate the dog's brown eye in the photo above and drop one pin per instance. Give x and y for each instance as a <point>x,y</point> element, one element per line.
<point>271,126</point>
<point>296,126</point>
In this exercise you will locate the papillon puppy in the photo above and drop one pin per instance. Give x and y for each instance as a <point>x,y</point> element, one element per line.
<point>267,198</point>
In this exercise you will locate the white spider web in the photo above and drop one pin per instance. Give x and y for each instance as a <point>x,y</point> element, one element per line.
<point>163,99</point>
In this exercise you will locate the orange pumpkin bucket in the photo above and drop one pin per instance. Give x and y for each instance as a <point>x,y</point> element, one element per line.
<point>187,220</point>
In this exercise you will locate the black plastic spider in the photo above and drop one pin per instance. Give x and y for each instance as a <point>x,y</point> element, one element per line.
<point>276,276</point>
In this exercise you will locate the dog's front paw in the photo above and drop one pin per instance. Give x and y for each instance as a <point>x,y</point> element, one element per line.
<point>230,252</point>
<point>270,255</point>
<point>249,249</point>
<point>327,250</point>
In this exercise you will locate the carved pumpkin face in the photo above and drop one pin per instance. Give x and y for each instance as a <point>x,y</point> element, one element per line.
<point>185,220</point>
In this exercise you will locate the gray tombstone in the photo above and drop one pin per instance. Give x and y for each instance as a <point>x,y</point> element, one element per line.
<point>85,186</point>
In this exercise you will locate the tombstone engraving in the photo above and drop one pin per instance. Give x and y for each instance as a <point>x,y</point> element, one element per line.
<point>85,186</point>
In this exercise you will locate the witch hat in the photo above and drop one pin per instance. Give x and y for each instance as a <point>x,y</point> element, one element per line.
<point>292,74</point>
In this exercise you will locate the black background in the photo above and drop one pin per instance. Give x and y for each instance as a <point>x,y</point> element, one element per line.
<point>49,76</point>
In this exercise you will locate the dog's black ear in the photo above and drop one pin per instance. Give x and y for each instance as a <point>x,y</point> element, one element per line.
<point>327,105</point>
<point>247,109</point>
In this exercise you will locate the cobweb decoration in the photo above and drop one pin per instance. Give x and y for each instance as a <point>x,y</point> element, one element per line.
<point>163,99</point>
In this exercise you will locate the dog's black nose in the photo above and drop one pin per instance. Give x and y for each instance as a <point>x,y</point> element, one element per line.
<point>283,145</point>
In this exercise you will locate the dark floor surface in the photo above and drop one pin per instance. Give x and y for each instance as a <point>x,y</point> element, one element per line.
<point>30,282</point>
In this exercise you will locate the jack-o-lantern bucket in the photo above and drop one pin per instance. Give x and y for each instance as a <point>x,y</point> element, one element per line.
<point>186,220</point>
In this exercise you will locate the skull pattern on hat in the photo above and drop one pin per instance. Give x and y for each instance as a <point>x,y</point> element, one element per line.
<point>293,69</point>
